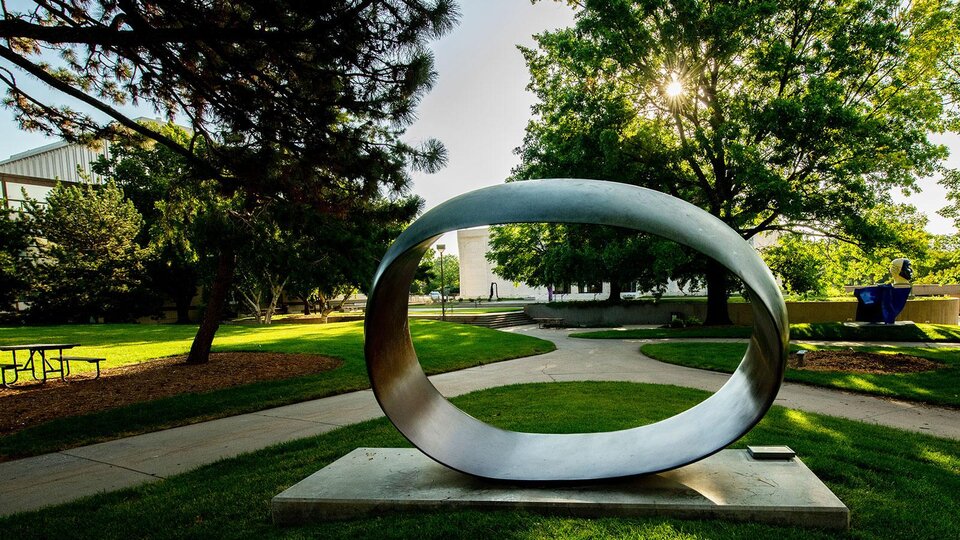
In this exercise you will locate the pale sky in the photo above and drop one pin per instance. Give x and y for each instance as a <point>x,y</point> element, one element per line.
<point>479,106</point>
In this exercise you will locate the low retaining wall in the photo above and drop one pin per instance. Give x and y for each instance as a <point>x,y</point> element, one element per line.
<point>936,311</point>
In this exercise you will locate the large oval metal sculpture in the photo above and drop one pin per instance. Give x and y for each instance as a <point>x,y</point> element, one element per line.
<point>460,441</point>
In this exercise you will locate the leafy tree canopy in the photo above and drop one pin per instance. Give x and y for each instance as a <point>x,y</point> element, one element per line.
<point>14,240</point>
<point>815,265</point>
<point>293,102</point>
<point>772,116</point>
<point>176,211</point>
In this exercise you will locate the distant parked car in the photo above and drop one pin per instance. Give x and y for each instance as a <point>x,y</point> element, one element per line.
<point>435,296</point>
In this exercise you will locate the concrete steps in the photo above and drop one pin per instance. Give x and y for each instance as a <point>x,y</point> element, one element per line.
<point>488,320</point>
<point>505,320</point>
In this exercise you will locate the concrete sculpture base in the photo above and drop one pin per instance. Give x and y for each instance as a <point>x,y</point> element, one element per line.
<point>728,485</point>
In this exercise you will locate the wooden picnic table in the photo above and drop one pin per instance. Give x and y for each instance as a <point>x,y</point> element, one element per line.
<point>46,363</point>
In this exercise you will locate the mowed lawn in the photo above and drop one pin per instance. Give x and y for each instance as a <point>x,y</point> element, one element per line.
<point>940,387</point>
<point>898,485</point>
<point>440,346</point>
<point>836,331</point>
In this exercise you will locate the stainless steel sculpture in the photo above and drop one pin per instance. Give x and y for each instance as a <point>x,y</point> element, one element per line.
<point>457,440</point>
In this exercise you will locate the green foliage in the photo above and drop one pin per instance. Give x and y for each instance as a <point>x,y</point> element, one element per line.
<point>552,255</point>
<point>797,116</point>
<point>898,485</point>
<point>87,264</point>
<point>430,274</point>
<point>158,182</point>
<point>290,104</point>
<point>815,266</point>
<point>942,265</point>
<point>14,240</point>
<point>798,265</point>
<point>518,252</point>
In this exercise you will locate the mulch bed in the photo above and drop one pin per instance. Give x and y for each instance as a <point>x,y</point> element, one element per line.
<point>29,404</point>
<point>862,362</point>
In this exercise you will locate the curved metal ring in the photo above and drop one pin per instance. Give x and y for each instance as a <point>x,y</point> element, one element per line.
<point>460,441</point>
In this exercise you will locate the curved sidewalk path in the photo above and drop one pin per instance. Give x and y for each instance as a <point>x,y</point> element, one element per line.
<point>35,482</point>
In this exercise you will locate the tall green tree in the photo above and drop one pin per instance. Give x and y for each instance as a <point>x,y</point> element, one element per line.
<point>295,102</point>
<point>772,116</point>
<point>152,177</point>
<point>14,240</point>
<point>87,264</point>
<point>450,275</point>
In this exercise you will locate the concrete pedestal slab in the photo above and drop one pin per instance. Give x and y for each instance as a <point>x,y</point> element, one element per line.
<point>728,485</point>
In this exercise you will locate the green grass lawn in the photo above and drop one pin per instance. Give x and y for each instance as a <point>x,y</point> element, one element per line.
<point>441,347</point>
<point>896,484</point>
<point>464,309</point>
<point>803,331</point>
<point>940,387</point>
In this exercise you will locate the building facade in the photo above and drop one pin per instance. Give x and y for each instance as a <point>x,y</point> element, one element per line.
<point>35,172</point>
<point>478,280</point>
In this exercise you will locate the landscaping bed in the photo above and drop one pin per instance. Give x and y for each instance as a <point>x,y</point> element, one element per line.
<point>924,374</point>
<point>33,403</point>
<point>440,346</point>
<point>861,362</point>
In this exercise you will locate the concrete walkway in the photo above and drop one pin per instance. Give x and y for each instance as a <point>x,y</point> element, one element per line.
<point>35,482</point>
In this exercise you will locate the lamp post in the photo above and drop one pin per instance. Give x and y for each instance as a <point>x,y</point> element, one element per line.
<point>443,297</point>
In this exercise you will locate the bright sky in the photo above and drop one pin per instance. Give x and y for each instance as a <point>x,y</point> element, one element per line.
<point>479,106</point>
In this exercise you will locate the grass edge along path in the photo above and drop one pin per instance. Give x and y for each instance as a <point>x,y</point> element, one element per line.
<point>896,484</point>
<point>940,387</point>
<point>934,333</point>
<point>440,346</point>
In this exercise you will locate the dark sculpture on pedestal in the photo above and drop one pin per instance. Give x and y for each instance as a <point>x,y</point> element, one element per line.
<point>460,441</point>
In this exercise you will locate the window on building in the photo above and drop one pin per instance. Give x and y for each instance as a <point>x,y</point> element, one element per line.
<point>590,288</point>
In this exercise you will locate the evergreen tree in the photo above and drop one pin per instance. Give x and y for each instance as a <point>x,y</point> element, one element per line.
<point>87,265</point>
<point>295,102</point>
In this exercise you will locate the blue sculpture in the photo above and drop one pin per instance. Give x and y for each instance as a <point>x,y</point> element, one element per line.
<point>882,303</point>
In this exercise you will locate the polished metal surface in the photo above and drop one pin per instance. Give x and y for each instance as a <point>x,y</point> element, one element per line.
<point>457,440</point>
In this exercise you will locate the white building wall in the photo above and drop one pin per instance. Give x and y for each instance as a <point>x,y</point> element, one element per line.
<point>476,275</point>
<point>476,272</point>
<point>57,161</point>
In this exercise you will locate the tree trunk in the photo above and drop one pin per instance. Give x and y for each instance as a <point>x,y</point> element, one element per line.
<point>615,289</point>
<point>717,312</point>
<point>183,309</point>
<point>200,350</point>
<point>276,291</point>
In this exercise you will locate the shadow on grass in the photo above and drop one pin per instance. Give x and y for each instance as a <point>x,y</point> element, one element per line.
<point>897,484</point>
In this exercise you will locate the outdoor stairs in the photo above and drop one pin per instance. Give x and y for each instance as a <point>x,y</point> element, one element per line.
<point>502,320</point>
<point>489,320</point>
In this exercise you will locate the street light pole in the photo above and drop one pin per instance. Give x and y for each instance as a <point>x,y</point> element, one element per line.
<point>443,297</point>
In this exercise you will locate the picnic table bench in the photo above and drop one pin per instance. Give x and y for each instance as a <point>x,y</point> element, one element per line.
<point>48,364</point>
<point>549,322</point>
<point>85,359</point>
